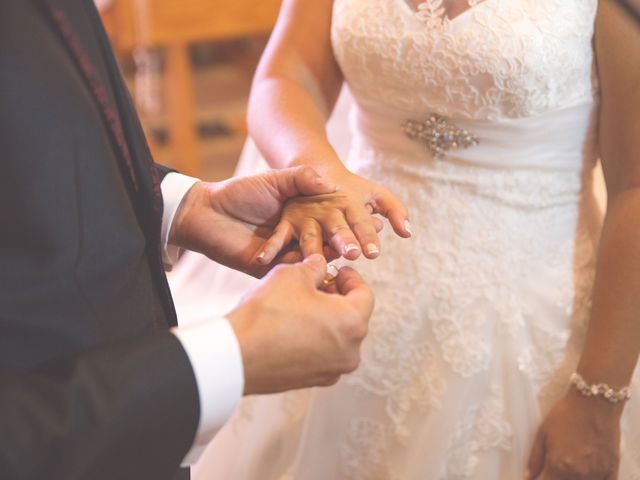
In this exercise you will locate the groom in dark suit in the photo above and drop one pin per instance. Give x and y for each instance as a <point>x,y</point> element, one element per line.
<point>96,380</point>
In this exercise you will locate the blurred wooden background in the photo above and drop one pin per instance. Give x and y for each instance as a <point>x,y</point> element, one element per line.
<point>189,65</point>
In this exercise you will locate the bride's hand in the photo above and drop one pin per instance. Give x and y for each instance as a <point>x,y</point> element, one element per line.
<point>579,440</point>
<point>345,220</point>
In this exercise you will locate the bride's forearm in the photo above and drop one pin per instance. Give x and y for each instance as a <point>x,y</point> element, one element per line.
<point>287,122</point>
<point>612,345</point>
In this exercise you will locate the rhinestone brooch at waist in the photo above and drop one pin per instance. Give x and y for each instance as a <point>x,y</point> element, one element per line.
<point>439,135</point>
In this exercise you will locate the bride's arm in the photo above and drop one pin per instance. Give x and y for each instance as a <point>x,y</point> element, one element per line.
<point>613,341</point>
<point>580,437</point>
<point>294,90</point>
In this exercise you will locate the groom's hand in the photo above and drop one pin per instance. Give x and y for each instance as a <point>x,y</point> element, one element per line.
<point>230,221</point>
<point>293,334</point>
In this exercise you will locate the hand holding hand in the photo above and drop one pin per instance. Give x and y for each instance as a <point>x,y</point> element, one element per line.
<point>292,334</point>
<point>230,221</point>
<point>579,440</point>
<point>343,219</point>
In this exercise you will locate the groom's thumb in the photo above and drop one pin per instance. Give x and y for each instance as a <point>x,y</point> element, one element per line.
<point>315,267</point>
<point>308,182</point>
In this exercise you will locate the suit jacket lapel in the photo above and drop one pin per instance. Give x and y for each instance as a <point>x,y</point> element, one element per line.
<point>96,87</point>
<point>133,132</point>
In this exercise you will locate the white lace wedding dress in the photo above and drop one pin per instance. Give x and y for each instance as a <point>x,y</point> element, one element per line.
<point>480,317</point>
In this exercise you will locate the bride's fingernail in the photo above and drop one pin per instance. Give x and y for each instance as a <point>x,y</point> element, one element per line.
<point>261,255</point>
<point>526,475</point>
<point>350,248</point>
<point>332,270</point>
<point>407,227</point>
<point>372,249</point>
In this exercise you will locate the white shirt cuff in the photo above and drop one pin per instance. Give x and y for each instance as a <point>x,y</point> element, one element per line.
<point>214,352</point>
<point>174,187</point>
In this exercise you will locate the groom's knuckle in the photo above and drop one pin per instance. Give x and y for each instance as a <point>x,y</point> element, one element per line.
<point>352,362</point>
<point>355,328</point>
<point>280,272</point>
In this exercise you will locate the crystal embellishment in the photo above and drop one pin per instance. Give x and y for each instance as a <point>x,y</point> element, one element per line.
<point>438,134</point>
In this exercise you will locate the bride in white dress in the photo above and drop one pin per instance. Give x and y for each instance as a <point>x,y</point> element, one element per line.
<point>482,117</point>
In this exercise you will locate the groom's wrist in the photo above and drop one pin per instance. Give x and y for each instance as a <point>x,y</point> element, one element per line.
<point>184,211</point>
<point>175,187</point>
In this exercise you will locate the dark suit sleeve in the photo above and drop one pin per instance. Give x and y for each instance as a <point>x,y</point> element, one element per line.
<point>163,171</point>
<point>99,415</point>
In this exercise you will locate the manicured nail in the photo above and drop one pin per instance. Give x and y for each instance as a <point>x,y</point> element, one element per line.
<point>261,255</point>
<point>332,270</point>
<point>407,227</point>
<point>350,248</point>
<point>372,249</point>
<point>526,475</point>
<point>332,273</point>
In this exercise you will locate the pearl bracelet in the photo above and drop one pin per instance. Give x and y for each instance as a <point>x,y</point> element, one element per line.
<point>600,389</point>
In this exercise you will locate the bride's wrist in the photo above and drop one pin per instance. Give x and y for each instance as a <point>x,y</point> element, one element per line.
<point>597,407</point>
<point>324,161</point>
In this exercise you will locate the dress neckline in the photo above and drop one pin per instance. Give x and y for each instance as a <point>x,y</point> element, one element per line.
<point>444,19</point>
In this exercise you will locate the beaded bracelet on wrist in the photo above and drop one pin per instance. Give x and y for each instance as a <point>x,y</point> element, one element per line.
<point>600,389</point>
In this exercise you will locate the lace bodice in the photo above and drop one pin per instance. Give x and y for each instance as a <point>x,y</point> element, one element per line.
<point>490,62</point>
